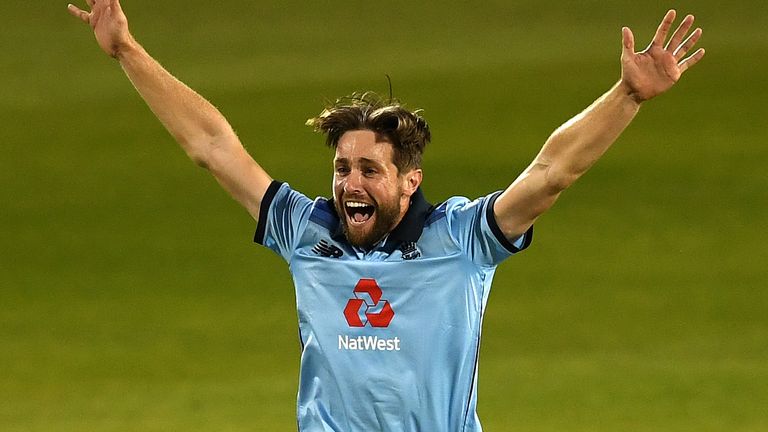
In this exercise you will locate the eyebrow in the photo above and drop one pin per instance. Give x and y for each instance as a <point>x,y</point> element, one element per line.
<point>364,160</point>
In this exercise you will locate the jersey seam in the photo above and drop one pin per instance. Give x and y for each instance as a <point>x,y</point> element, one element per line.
<point>471,391</point>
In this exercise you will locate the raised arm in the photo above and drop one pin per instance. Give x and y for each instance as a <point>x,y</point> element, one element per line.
<point>576,145</point>
<point>200,129</point>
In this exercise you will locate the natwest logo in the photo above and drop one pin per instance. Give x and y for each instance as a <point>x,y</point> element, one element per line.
<point>367,307</point>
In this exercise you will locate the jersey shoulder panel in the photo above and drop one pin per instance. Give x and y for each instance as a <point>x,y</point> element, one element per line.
<point>283,217</point>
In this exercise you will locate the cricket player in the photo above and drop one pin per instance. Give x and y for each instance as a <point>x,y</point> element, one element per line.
<point>391,289</point>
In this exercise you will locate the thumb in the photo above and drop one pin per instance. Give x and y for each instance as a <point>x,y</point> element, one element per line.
<point>78,13</point>
<point>627,40</point>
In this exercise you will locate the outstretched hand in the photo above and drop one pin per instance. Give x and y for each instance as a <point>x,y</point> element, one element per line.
<point>109,24</point>
<point>656,69</point>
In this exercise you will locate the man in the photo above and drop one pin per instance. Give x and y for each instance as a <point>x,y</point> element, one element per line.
<point>390,289</point>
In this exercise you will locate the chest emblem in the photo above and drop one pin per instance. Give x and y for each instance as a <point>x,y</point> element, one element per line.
<point>367,307</point>
<point>410,251</point>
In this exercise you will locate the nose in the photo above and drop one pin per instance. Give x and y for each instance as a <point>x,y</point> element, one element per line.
<point>353,183</point>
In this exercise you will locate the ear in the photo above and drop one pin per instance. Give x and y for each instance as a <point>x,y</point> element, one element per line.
<point>411,181</point>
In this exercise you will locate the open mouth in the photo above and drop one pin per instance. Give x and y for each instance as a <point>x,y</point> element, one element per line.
<point>359,212</point>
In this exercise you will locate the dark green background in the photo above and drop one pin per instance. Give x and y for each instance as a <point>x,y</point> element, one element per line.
<point>131,297</point>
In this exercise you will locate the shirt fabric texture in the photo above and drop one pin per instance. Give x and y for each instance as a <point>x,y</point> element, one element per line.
<point>390,336</point>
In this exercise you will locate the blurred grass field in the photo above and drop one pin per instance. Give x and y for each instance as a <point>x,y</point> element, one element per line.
<point>132,298</point>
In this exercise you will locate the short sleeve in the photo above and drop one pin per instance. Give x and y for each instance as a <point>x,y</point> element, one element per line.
<point>283,216</point>
<point>473,225</point>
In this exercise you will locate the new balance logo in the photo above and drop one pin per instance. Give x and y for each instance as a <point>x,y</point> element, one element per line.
<point>368,307</point>
<point>327,250</point>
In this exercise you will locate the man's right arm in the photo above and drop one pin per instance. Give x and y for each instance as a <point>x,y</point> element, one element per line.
<point>200,129</point>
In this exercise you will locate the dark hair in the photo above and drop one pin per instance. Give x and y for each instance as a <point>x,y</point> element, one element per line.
<point>407,131</point>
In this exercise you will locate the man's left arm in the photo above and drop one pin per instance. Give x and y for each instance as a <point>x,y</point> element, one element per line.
<point>576,145</point>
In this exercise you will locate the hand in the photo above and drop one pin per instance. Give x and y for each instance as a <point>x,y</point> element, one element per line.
<point>651,72</point>
<point>109,24</point>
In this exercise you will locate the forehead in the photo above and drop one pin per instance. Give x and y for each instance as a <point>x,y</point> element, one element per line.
<point>359,145</point>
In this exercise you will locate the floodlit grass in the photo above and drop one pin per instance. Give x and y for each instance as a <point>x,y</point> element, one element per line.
<point>131,297</point>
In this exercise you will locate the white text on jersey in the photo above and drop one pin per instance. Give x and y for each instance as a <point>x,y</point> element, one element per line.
<point>368,343</point>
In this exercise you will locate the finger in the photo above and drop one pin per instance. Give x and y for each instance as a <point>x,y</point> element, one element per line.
<point>686,46</point>
<point>661,32</point>
<point>627,40</point>
<point>680,33</point>
<point>90,3</point>
<point>692,60</point>
<point>78,13</point>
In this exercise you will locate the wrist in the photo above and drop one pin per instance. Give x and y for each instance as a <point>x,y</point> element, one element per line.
<point>628,94</point>
<point>126,48</point>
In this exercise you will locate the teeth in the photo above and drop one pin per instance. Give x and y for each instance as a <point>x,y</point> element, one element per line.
<point>356,204</point>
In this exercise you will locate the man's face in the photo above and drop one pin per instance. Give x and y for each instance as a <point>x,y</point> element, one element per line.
<point>370,195</point>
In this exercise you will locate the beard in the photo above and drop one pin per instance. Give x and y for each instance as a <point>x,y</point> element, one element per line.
<point>386,216</point>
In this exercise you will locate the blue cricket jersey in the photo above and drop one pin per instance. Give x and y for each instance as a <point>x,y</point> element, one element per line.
<point>390,337</point>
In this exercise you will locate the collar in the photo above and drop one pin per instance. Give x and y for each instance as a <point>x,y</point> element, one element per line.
<point>407,231</point>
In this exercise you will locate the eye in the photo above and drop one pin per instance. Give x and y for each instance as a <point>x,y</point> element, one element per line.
<point>342,170</point>
<point>370,171</point>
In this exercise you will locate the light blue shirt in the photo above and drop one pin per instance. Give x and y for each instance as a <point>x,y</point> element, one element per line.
<point>390,337</point>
